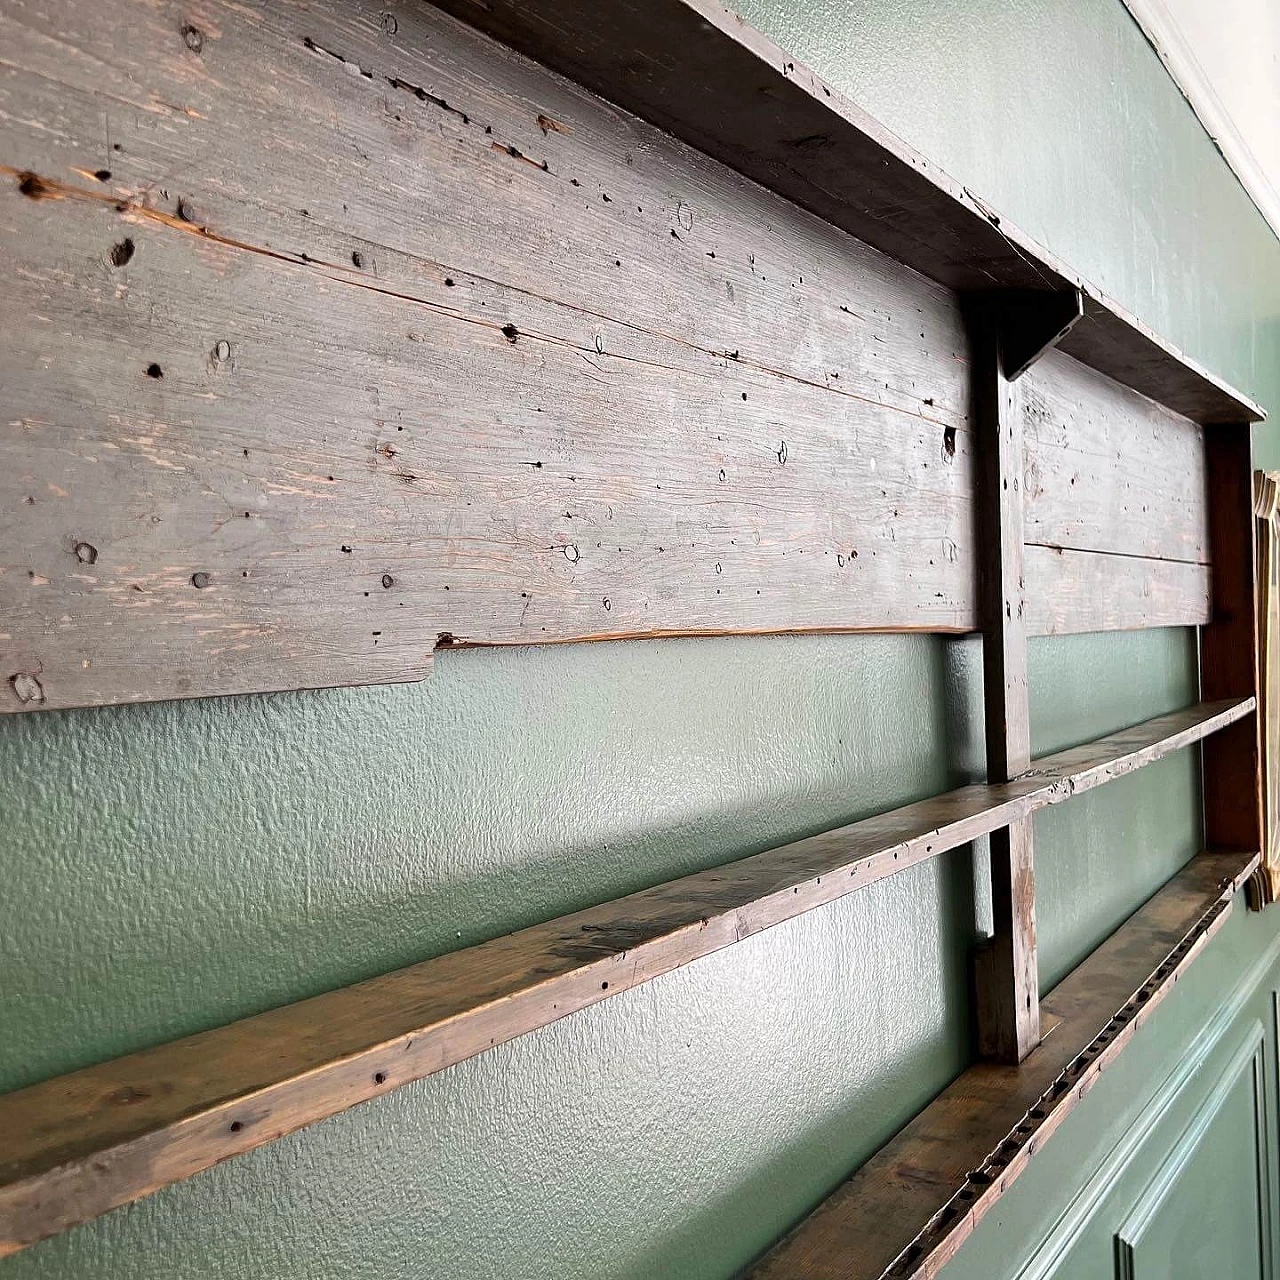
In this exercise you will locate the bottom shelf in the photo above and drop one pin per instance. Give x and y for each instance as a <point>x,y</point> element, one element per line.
<point>905,1212</point>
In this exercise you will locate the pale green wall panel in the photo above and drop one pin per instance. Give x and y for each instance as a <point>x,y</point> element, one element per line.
<point>1200,1216</point>
<point>1060,1219</point>
<point>210,859</point>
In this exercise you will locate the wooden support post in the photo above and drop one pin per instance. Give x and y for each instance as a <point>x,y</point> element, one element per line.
<point>1229,648</point>
<point>1007,988</point>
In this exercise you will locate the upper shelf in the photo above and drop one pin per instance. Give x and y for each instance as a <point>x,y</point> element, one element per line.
<point>700,72</point>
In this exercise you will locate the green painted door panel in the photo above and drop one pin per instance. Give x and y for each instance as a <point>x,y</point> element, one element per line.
<point>1171,1158</point>
<point>1202,1214</point>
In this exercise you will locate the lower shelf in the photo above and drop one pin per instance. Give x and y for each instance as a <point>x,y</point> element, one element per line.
<point>83,1143</point>
<point>910,1207</point>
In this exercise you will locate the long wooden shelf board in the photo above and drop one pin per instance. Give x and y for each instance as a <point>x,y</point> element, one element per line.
<point>697,70</point>
<point>78,1145</point>
<point>905,1212</point>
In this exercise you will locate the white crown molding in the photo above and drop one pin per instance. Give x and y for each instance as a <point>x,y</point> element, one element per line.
<point>1179,59</point>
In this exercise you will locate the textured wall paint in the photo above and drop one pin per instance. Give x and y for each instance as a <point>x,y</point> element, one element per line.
<point>169,867</point>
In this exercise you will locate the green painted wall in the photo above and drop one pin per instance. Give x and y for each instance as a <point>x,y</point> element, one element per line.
<point>211,859</point>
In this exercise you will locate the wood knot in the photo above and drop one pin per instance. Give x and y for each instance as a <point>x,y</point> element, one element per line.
<point>26,687</point>
<point>33,186</point>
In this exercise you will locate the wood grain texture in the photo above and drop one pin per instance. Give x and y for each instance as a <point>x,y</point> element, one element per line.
<point>483,361</point>
<point>74,1147</point>
<point>1073,591</point>
<point>904,1214</point>
<point>1007,990</point>
<point>1229,648</point>
<point>699,71</point>
<point>1117,505</point>
<point>1109,470</point>
<point>328,344</point>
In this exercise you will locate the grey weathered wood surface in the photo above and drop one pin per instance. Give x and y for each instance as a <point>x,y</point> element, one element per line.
<point>415,387</point>
<point>1109,470</point>
<point>697,69</point>
<point>1073,591</point>
<point>905,1212</point>
<point>76,1146</point>
<point>1116,512</point>
<point>629,393</point>
<point>1007,988</point>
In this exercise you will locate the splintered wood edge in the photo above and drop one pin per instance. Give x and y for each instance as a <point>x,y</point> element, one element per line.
<point>1209,882</point>
<point>78,1145</point>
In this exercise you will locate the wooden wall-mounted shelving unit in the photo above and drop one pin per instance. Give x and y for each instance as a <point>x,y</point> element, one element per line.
<point>341,424</point>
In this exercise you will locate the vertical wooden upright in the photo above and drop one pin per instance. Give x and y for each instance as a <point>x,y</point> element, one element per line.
<point>1229,646</point>
<point>1008,994</point>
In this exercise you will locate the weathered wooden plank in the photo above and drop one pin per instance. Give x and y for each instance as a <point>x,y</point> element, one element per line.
<point>1007,986</point>
<point>627,394</point>
<point>76,1146</point>
<point>1073,591</point>
<point>331,288</point>
<point>1112,340</point>
<point>317,529</point>
<point>904,1214</point>
<point>699,71</point>
<point>1109,470</point>
<point>376,160</point>
<point>1229,647</point>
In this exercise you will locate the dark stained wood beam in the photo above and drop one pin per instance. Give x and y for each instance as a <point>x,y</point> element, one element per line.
<point>1032,323</point>
<point>701,72</point>
<point>1007,984</point>
<point>904,1214</point>
<point>78,1145</point>
<point>1229,649</point>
